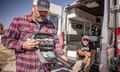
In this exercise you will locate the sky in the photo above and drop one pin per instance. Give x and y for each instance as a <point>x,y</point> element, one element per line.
<point>10,9</point>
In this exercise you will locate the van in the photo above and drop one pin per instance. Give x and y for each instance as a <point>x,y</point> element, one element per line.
<point>100,20</point>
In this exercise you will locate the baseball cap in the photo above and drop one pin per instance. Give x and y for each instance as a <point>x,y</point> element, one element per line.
<point>42,4</point>
<point>85,37</point>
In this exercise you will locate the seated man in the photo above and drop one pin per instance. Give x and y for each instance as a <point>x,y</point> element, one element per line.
<point>85,52</point>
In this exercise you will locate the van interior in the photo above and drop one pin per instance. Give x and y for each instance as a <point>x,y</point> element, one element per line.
<point>84,18</point>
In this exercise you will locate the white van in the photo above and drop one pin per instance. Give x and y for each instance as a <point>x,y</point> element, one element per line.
<point>100,20</point>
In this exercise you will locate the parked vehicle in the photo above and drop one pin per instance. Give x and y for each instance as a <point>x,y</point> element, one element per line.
<point>100,20</point>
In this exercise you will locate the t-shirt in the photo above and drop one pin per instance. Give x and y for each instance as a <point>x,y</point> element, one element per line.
<point>87,48</point>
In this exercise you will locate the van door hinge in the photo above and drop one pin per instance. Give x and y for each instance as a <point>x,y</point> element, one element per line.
<point>116,8</point>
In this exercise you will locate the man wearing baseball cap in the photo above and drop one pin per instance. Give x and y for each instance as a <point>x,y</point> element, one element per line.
<point>85,53</point>
<point>21,29</point>
<point>40,9</point>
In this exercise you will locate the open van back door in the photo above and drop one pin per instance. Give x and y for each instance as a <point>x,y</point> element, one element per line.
<point>104,43</point>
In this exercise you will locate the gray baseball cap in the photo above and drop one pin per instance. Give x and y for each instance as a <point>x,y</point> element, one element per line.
<point>43,5</point>
<point>85,37</point>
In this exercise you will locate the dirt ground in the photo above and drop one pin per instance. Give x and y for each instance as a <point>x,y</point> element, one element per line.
<point>7,59</point>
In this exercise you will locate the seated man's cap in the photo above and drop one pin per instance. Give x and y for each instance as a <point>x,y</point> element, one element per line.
<point>85,37</point>
<point>43,5</point>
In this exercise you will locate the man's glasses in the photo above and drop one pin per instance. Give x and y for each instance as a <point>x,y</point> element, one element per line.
<point>85,40</point>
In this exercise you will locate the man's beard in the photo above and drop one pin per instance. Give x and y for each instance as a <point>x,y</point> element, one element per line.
<point>41,18</point>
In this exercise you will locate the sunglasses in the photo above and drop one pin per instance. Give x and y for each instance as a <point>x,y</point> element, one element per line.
<point>85,40</point>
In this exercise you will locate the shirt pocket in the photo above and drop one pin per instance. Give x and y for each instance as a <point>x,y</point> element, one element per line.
<point>27,33</point>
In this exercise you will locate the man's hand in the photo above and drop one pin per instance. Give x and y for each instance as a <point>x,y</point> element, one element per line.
<point>81,53</point>
<point>87,54</point>
<point>64,58</point>
<point>29,44</point>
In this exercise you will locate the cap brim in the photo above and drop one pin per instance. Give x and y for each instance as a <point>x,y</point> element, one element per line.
<point>43,9</point>
<point>85,38</point>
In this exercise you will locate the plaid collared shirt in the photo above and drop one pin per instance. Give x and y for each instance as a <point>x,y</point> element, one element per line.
<point>20,30</point>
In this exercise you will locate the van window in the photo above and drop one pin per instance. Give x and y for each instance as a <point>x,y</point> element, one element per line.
<point>54,19</point>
